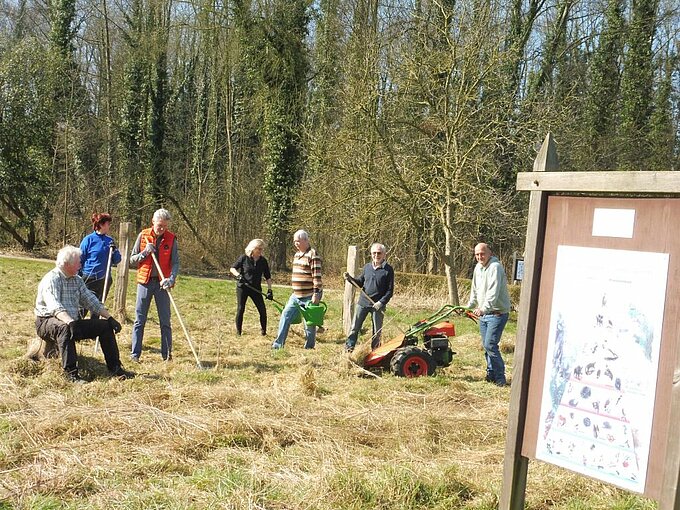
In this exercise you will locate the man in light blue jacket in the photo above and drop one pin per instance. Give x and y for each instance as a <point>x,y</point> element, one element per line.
<point>490,300</point>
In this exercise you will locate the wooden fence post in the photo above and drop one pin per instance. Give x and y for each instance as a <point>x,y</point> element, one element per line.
<point>348,298</point>
<point>123,270</point>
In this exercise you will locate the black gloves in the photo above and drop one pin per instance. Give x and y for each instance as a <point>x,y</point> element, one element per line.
<point>115,325</point>
<point>76,332</point>
<point>270,295</point>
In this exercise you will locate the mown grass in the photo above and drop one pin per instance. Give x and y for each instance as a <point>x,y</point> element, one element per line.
<point>285,430</point>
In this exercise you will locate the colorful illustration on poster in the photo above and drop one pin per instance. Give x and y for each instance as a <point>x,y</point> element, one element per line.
<point>602,362</point>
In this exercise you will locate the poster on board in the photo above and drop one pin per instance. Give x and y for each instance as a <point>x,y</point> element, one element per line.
<point>602,361</point>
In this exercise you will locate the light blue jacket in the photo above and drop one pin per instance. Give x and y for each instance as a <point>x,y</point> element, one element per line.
<point>489,290</point>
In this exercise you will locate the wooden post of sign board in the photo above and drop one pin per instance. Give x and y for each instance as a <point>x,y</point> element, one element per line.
<point>515,466</point>
<point>350,290</point>
<point>670,485</point>
<point>123,271</point>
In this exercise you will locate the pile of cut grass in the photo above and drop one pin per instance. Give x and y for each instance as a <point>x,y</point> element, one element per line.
<point>257,429</point>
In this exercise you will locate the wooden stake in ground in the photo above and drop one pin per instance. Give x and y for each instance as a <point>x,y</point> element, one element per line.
<point>120,292</point>
<point>174,305</point>
<point>348,299</point>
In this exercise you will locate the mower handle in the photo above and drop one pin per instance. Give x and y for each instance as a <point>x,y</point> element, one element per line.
<point>439,315</point>
<point>468,312</point>
<point>447,310</point>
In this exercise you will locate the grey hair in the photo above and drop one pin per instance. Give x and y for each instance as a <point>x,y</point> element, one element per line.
<point>301,235</point>
<point>381,246</point>
<point>252,245</point>
<point>162,214</point>
<point>67,255</point>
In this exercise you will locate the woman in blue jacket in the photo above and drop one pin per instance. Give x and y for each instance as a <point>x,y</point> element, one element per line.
<point>94,256</point>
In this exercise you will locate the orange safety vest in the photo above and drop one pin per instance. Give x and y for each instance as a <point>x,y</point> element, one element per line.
<point>163,253</point>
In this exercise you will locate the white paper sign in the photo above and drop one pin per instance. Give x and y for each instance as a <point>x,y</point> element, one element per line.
<point>613,223</point>
<point>602,362</point>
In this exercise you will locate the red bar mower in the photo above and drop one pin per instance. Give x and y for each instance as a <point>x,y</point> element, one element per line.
<point>402,356</point>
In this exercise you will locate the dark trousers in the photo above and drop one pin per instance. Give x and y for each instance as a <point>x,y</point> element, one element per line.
<point>51,328</point>
<point>360,314</point>
<point>97,286</point>
<point>242,294</point>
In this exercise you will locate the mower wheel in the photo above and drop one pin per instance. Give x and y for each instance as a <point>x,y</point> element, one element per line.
<point>411,361</point>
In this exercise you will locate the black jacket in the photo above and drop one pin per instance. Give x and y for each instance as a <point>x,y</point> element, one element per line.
<point>252,271</point>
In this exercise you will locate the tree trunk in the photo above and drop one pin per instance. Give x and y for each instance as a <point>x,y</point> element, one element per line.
<point>449,259</point>
<point>108,102</point>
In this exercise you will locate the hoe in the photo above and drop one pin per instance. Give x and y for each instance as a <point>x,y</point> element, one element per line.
<point>402,356</point>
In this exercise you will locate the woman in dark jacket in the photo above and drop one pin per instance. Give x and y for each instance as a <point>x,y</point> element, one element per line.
<point>249,270</point>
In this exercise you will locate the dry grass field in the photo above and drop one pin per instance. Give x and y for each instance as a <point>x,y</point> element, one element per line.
<point>254,429</point>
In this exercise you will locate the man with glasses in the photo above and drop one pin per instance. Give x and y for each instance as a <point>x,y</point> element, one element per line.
<point>377,284</point>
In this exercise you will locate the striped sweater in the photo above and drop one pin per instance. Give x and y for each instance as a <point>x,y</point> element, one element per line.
<point>306,276</point>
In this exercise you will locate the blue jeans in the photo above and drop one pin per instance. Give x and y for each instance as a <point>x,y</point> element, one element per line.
<point>491,328</point>
<point>144,294</point>
<point>287,315</point>
<point>360,314</point>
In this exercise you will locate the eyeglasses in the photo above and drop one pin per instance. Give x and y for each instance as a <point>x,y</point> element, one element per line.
<point>376,253</point>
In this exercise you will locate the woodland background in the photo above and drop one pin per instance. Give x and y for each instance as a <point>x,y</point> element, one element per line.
<point>403,121</point>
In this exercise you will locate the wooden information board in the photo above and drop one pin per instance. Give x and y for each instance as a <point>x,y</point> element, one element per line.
<point>572,401</point>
